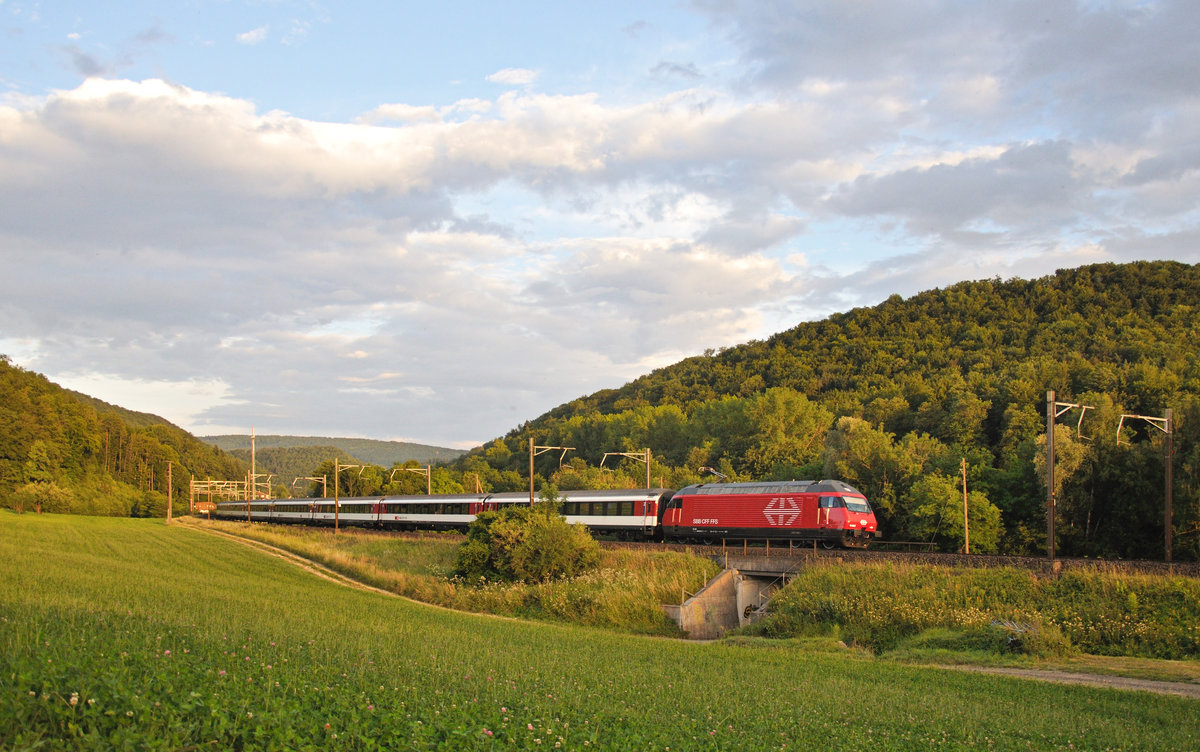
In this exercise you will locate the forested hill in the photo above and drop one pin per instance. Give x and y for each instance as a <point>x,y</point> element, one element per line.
<point>893,398</point>
<point>1129,330</point>
<point>131,418</point>
<point>68,452</point>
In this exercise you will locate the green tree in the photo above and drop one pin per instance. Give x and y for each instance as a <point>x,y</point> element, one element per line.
<point>1069,455</point>
<point>789,430</point>
<point>42,463</point>
<point>866,458</point>
<point>937,503</point>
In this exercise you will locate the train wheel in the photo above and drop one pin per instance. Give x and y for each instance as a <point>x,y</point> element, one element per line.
<point>828,544</point>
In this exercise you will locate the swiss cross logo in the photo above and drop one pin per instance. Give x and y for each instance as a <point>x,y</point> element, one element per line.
<point>782,510</point>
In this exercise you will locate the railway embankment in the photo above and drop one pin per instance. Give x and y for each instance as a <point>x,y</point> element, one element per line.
<point>777,553</point>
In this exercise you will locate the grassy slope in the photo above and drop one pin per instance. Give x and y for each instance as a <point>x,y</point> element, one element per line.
<point>184,639</point>
<point>624,594</point>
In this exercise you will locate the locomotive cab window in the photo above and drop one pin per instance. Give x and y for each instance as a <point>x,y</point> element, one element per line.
<point>858,505</point>
<point>831,502</point>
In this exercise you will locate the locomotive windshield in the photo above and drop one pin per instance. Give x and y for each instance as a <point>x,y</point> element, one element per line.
<point>857,505</point>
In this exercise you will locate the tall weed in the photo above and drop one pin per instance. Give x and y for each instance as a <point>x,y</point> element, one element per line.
<point>880,605</point>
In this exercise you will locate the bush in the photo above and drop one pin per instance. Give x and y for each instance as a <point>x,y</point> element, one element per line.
<point>885,606</point>
<point>41,497</point>
<point>526,544</point>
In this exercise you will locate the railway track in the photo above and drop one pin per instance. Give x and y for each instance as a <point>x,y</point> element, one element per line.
<point>1035,563</point>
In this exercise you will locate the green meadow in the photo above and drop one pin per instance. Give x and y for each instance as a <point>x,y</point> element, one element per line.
<point>130,634</point>
<point>625,593</point>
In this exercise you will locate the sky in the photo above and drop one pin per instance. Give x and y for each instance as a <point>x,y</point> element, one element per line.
<point>433,221</point>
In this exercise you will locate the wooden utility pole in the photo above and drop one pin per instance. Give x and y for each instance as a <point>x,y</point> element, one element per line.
<point>966,519</point>
<point>170,493</point>
<point>1052,413</point>
<point>1170,461</point>
<point>1051,408</point>
<point>337,469</point>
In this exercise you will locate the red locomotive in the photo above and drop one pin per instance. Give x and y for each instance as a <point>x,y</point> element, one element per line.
<point>828,511</point>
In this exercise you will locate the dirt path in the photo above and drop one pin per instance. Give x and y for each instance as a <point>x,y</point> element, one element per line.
<point>309,565</point>
<point>1183,689</point>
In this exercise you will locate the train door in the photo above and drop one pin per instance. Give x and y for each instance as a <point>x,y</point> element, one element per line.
<point>673,515</point>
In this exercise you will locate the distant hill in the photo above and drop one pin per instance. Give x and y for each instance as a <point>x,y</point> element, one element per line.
<point>286,464</point>
<point>382,453</point>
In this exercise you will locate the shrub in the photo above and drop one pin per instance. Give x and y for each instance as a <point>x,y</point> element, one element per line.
<point>526,544</point>
<point>41,497</point>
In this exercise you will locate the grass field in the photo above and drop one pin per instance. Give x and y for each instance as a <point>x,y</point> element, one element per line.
<point>128,634</point>
<point>626,593</point>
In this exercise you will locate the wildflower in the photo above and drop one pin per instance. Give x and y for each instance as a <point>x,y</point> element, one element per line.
<point>166,652</point>
<point>487,732</point>
<point>74,699</point>
<point>221,672</point>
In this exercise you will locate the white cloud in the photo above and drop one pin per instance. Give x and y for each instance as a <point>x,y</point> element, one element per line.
<point>254,36</point>
<point>513,76</point>
<point>178,401</point>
